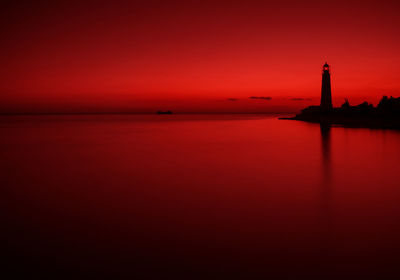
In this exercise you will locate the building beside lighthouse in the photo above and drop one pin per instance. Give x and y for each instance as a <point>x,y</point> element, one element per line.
<point>326,93</point>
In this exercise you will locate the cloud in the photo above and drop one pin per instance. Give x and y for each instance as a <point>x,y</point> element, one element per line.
<point>232,99</point>
<point>261,97</point>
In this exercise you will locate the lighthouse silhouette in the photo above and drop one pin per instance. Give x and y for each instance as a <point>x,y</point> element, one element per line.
<point>326,94</point>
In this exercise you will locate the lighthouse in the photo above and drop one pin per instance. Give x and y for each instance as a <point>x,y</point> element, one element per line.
<point>326,95</point>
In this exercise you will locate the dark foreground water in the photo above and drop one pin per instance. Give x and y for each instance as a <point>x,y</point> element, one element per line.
<point>198,197</point>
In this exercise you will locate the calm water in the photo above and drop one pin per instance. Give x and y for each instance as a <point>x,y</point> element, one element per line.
<point>208,197</point>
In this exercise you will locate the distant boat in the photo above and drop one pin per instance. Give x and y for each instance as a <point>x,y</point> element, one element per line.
<point>164,112</point>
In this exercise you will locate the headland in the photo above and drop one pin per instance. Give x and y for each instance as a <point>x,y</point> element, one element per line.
<point>385,115</point>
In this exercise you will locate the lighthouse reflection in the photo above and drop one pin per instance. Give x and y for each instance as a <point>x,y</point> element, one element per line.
<point>326,153</point>
<point>326,188</point>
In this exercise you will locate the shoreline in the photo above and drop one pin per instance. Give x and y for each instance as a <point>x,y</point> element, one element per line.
<point>350,122</point>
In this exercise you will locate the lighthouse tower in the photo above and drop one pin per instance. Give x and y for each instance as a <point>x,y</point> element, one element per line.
<point>326,95</point>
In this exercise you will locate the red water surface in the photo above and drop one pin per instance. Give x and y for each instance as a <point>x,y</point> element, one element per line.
<point>198,196</point>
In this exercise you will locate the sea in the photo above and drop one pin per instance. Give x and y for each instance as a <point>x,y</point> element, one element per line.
<point>239,196</point>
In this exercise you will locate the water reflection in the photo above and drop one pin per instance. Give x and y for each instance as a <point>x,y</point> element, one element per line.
<point>326,156</point>
<point>326,192</point>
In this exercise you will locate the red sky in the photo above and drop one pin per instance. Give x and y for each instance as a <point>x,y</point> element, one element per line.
<point>191,56</point>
